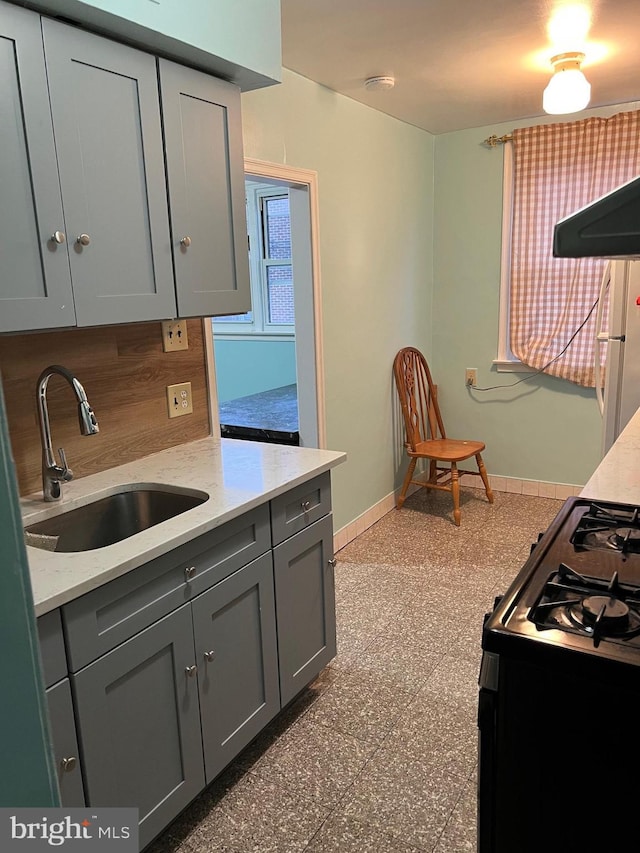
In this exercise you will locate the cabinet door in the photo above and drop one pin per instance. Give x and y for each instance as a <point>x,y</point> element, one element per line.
<point>235,635</point>
<point>106,117</point>
<point>205,170</point>
<point>35,285</point>
<point>139,724</point>
<point>305,606</point>
<point>65,744</point>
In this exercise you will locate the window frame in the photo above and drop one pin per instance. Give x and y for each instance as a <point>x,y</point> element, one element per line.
<point>505,361</point>
<point>258,327</point>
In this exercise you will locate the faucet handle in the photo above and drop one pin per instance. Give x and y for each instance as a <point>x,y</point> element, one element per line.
<point>66,473</point>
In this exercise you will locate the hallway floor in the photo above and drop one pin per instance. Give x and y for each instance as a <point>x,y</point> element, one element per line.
<point>276,409</point>
<point>378,755</point>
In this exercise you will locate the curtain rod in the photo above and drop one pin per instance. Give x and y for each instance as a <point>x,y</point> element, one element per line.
<point>494,140</point>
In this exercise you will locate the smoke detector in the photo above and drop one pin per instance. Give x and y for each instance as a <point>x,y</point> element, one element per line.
<point>379,84</point>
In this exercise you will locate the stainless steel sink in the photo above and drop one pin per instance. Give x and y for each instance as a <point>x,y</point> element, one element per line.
<point>110,519</point>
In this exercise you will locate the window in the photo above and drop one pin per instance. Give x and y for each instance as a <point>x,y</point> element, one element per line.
<point>557,169</point>
<point>269,228</point>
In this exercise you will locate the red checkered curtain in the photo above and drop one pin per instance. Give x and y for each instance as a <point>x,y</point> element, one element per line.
<point>558,168</point>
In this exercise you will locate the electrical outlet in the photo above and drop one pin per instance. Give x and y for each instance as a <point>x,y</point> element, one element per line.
<point>471,376</point>
<point>179,399</point>
<point>174,335</point>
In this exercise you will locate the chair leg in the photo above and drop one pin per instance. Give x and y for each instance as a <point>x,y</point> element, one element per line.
<point>485,478</point>
<point>406,483</point>
<point>433,471</point>
<point>455,491</point>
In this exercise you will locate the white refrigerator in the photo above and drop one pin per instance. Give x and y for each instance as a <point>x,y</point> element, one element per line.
<point>621,396</point>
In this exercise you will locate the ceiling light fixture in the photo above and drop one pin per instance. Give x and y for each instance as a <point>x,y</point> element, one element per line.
<point>568,91</point>
<point>379,84</point>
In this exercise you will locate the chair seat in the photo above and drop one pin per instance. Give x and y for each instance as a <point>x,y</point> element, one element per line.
<point>447,449</point>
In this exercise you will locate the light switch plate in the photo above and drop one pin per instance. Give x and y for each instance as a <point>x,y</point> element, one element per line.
<point>174,335</point>
<point>179,399</point>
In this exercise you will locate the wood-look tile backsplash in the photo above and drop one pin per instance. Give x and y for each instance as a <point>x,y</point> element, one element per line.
<point>125,373</point>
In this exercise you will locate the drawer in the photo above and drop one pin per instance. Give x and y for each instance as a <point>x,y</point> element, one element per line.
<point>300,507</point>
<point>52,653</point>
<point>102,619</point>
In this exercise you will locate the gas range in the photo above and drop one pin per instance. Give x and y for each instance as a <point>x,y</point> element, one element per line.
<point>559,690</point>
<point>580,588</point>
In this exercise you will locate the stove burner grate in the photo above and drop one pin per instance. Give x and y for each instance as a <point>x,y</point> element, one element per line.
<point>592,607</point>
<point>617,529</point>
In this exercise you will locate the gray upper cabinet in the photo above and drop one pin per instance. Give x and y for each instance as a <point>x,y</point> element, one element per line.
<point>85,236</point>
<point>205,171</point>
<point>106,117</point>
<point>35,283</point>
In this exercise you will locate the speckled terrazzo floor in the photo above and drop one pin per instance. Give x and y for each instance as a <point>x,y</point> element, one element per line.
<point>378,755</point>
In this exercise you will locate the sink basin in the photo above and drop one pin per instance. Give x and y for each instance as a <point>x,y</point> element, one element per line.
<point>111,519</point>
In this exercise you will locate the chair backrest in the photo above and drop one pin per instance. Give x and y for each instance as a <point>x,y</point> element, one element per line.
<point>418,397</point>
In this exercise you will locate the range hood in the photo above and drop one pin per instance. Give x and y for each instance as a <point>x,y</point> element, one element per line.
<point>608,227</point>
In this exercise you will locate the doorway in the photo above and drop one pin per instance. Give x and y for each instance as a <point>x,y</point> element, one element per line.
<point>269,362</point>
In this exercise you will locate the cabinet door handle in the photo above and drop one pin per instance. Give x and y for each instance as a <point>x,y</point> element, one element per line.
<point>58,237</point>
<point>190,573</point>
<point>68,764</point>
<point>306,506</point>
<point>186,242</point>
<point>191,670</point>
<point>332,562</point>
<point>83,239</point>
<point>209,656</point>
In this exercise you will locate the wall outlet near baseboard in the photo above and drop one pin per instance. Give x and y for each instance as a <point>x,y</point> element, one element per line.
<point>471,376</point>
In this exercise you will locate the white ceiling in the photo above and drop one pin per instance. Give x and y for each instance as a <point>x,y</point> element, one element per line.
<point>457,63</point>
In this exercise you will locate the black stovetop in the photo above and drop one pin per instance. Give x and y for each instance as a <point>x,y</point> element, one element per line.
<point>580,588</point>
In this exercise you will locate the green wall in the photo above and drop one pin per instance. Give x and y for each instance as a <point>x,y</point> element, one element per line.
<point>248,367</point>
<point>375,187</point>
<point>545,428</point>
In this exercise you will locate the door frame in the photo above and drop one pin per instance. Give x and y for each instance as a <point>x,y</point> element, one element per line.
<point>308,311</point>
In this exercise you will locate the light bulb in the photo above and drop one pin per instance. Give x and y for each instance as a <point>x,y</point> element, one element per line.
<point>568,91</point>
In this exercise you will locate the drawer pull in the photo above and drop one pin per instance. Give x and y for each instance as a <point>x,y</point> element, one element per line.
<point>186,242</point>
<point>190,573</point>
<point>209,656</point>
<point>306,506</point>
<point>191,670</point>
<point>68,764</point>
<point>332,562</point>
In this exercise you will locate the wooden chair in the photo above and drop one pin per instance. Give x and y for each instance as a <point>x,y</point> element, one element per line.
<point>425,434</point>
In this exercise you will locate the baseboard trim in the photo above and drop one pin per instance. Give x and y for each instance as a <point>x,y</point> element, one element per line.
<point>513,485</point>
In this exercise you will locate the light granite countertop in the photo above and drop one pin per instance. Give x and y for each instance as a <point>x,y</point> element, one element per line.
<point>617,477</point>
<point>237,476</point>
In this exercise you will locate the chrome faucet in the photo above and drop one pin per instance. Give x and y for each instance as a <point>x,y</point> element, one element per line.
<point>53,475</point>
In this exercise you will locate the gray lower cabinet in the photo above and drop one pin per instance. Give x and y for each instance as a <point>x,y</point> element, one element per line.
<point>305,606</point>
<point>65,744</point>
<point>159,717</point>
<point>139,724</point>
<point>177,665</point>
<point>62,724</point>
<point>235,634</point>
